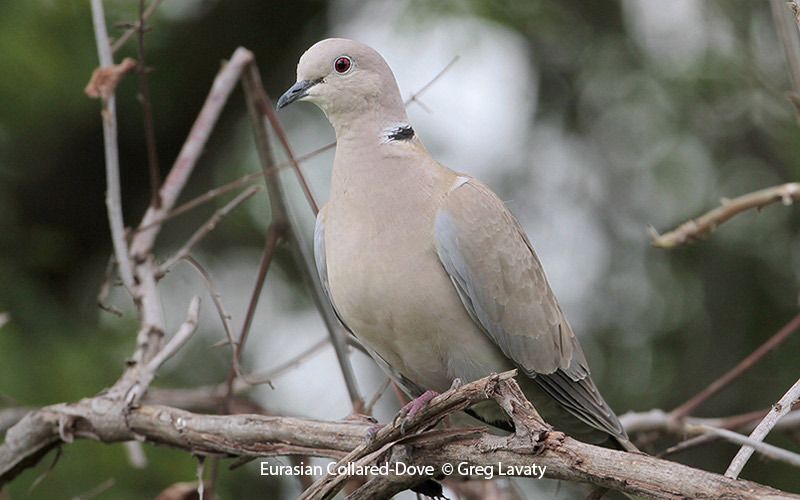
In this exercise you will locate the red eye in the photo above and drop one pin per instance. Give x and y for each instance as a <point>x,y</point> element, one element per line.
<point>342,64</point>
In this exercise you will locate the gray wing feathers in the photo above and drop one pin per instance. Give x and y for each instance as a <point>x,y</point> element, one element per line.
<point>501,282</point>
<point>503,287</point>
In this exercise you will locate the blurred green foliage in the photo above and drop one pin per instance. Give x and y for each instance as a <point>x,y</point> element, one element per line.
<point>693,129</point>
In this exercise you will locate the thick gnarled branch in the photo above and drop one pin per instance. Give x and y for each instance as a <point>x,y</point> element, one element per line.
<point>260,436</point>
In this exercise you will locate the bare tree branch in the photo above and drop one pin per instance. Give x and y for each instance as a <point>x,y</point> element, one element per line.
<point>780,409</point>
<point>261,436</point>
<point>708,222</point>
<point>182,336</point>
<point>109,114</point>
<point>768,450</point>
<point>10,416</point>
<point>659,420</point>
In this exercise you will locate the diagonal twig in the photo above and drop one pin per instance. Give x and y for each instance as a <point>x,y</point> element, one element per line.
<point>735,372</point>
<point>416,95</point>
<point>122,40</point>
<point>183,334</point>
<point>274,234</point>
<point>203,198</point>
<point>780,409</point>
<point>209,226</point>
<point>263,102</point>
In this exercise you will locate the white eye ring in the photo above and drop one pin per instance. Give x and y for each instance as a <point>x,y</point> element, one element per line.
<point>343,65</point>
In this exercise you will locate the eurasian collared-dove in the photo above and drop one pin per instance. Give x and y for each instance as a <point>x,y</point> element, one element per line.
<point>426,266</point>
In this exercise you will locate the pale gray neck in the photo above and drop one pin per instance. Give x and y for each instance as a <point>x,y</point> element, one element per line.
<point>369,162</point>
<point>360,130</point>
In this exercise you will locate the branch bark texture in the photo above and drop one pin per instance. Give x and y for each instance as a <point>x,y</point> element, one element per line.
<point>107,420</point>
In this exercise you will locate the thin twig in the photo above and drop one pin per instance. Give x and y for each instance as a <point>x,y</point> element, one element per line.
<point>147,112</point>
<point>109,114</point>
<point>209,226</point>
<point>266,376</point>
<point>203,198</point>
<point>735,372</point>
<point>183,334</point>
<point>135,453</point>
<point>766,449</point>
<point>415,96</point>
<point>274,234</point>
<point>375,397</point>
<point>780,409</point>
<point>266,108</point>
<point>223,85</point>
<point>230,186</point>
<point>105,288</point>
<point>149,354</point>
<point>686,444</point>
<point>708,222</point>
<point>225,318</point>
<point>201,462</point>
<point>97,490</point>
<point>122,40</point>
<point>659,420</point>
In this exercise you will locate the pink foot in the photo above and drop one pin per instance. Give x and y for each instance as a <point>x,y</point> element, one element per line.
<point>369,436</point>
<point>412,408</point>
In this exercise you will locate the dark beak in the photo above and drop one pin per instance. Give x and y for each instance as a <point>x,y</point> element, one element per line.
<point>297,91</point>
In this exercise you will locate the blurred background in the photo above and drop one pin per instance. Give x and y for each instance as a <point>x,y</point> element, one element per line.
<point>591,119</point>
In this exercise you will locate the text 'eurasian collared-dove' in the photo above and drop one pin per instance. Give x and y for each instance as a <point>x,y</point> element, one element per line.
<point>426,266</point>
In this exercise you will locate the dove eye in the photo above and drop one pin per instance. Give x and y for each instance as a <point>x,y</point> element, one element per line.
<point>342,65</point>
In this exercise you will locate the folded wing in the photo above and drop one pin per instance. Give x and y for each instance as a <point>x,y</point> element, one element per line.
<point>504,289</point>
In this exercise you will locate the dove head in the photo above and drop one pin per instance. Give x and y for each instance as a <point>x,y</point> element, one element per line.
<point>349,81</point>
